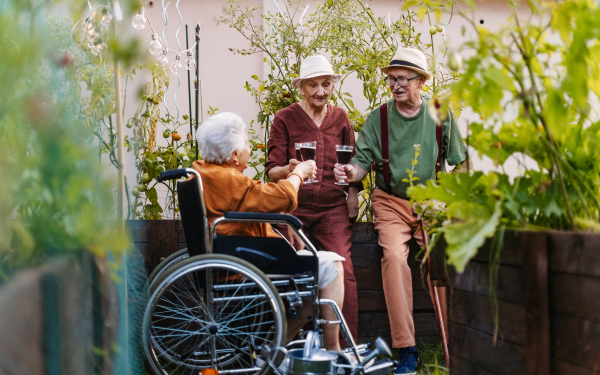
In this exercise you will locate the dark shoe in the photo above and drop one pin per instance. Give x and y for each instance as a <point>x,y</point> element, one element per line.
<point>408,359</point>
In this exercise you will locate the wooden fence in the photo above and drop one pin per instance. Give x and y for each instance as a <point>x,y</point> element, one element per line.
<point>157,239</point>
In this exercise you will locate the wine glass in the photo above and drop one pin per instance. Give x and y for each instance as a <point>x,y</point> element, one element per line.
<point>308,151</point>
<point>344,154</point>
<point>298,154</point>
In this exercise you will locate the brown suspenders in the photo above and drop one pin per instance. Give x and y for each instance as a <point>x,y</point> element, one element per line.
<point>385,147</point>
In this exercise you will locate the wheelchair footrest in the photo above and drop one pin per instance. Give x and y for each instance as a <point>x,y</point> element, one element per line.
<point>380,367</point>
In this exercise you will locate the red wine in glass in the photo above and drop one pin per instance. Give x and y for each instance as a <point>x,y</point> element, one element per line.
<point>344,155</point>
<point>308,151</point>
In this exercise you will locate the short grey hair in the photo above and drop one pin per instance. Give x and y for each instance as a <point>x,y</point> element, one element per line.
<point>221,135</point>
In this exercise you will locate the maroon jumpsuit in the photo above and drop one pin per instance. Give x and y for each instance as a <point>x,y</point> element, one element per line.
<point>321,206</point>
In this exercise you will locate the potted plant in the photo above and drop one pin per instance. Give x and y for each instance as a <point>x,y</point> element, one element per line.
<point>525,242</point>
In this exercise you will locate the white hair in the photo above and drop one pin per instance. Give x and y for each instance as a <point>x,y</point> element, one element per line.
<point>221,135</point>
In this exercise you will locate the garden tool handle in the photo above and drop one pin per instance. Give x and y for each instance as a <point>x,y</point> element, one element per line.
<point>436,298</point>
<point>312,341</point>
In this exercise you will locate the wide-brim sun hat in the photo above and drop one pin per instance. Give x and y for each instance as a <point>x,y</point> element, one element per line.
<point>315,66</point>
<point>410,58</point>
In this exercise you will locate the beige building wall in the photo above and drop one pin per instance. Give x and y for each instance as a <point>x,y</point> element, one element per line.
<point>224,74</point>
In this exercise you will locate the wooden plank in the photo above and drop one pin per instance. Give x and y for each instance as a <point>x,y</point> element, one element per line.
<point>373,325</point>
<point>163,240</point>
<point>474,311</point>
<point>374,301</point>
<point>139,229</point>
<point>364,233</point>
<point>575,295</point>
<point>575,253</point>
<point>371,279</point>
<point>476,276</point>
<point>511,253</point>
<point>564,368</point>
<point>576,341</point>
<point>463,367</point>
<point>537,315</point>
<point>477,347</point>
<point>366,255</point>
<point>368,278</point>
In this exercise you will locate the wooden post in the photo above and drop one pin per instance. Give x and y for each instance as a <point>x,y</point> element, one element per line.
<point>537,316</point>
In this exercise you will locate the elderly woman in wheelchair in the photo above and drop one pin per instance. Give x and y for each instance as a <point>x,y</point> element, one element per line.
<point>239,289</point>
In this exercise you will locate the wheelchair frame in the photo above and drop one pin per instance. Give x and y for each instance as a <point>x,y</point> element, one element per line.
<point>167,277</point>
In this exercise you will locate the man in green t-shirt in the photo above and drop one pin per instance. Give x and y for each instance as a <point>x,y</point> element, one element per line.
<point>409,124</point>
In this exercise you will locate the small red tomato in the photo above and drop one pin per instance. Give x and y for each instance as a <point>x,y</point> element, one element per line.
<point>176,136</point>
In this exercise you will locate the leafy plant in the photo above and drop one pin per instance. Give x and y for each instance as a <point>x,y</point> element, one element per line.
<point>356,42</point>
<point>150,159</point>
<point>54,199</point>
<point>546,69</point>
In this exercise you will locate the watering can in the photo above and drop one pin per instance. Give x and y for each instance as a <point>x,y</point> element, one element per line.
<point>310,360</point>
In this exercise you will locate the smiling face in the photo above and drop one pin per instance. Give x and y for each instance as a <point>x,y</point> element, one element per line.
<point>410,92</point>
<point>317,91</point>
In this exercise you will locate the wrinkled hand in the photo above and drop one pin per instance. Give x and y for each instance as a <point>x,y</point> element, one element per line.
<point>352,203</point>
<point>343,172</point>
<point>294,239</point>
<point>307,169</point>
<point>292,165</point>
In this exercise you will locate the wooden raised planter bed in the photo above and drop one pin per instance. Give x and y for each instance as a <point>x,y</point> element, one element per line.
<point>157,239</point>
<point>60,318</point>
<point>548,294</point>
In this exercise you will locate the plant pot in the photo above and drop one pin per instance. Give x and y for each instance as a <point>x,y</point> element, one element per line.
<point>549,310</point>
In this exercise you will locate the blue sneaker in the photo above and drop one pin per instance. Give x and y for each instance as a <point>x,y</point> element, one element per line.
<point>408,359</point>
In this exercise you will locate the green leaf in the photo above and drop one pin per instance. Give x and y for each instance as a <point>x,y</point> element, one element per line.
<point>152,196</point>
<point>465,237</point>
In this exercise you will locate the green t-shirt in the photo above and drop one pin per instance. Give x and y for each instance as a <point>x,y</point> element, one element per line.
<point>403,134</point>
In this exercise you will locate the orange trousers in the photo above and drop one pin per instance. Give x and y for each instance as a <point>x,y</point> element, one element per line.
<point>396,224</point>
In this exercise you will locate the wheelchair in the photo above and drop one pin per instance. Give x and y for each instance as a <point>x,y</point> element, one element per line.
<point>221,304</point>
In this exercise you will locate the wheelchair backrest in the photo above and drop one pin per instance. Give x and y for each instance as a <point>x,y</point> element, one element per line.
<point>192,216</point>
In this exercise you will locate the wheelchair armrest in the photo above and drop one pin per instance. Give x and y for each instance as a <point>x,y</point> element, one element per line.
<point>175,174</point>
<point>255,216</point>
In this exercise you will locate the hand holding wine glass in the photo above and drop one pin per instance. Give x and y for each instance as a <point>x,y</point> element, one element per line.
<point>307,169</point>
<point>344,155</point>
<point>308,151</point>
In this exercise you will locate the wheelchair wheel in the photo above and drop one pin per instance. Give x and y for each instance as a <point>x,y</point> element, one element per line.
<point>212,311</point>
<point>169,261</point>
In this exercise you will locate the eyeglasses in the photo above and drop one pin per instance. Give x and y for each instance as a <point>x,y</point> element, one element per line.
<point>402,81</point>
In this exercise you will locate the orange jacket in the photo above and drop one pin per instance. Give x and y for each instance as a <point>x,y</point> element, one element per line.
<point>226,189</point>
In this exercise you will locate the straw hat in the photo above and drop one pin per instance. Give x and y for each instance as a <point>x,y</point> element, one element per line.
<point>410,58</point>
<point>315,66</point>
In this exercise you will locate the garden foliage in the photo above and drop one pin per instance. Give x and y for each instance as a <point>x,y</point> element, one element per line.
<point>151,159</point>
<point>543,66</point>
<point>355,41</point>
<point>54,199</point>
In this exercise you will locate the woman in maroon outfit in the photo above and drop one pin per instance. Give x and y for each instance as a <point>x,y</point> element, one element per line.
<point>323,207</point>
